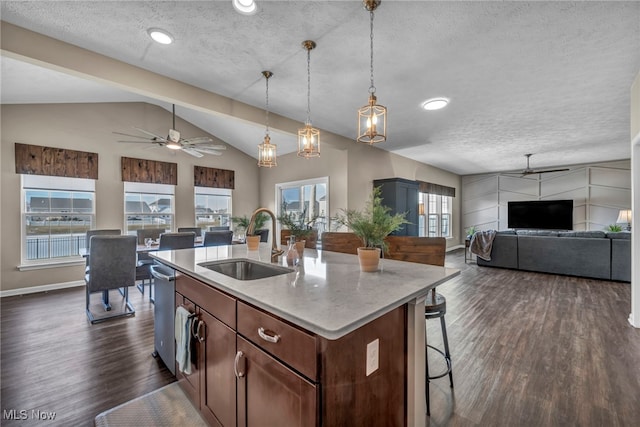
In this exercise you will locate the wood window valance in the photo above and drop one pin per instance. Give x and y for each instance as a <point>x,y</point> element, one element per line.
<point>149,171</point>
<point>441,190</point>
<point>212,177</point>
<point>39,160</point>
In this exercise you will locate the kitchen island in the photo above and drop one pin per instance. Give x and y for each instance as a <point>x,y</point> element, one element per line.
<point>353,341</point>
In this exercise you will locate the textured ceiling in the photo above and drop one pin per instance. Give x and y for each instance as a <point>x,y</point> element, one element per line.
<point>550,78</point>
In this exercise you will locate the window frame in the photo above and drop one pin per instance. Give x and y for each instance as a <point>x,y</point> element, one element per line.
<point>213,192</point>
<point>148,189</point>
<point>438,214</point>
<point>50,185</point>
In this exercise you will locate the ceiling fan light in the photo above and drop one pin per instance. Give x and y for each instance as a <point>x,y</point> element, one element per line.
<point>160,36</point>
<point>245,7</point>
<point>435,104</point>
<point>173,145</point>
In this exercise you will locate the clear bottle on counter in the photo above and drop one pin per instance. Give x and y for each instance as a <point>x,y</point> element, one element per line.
<point>291,255</point>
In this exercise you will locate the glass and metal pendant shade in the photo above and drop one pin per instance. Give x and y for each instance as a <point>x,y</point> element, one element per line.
<point>267,150</point>
<point>372,118</point>
<point>308,136</point>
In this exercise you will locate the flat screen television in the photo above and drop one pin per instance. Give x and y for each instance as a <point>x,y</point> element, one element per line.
<point>541,214</point>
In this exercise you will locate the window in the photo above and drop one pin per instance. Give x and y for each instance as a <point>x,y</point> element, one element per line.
<point>213,207</point>
<point>56,214</point>
<point>308,196</point>
<point>148,206</point>
<point>437,219</point>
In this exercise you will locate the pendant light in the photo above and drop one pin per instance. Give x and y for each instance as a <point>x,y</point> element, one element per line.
<point>372,118</point>
<point>267,150</point>
<point>308,136</point>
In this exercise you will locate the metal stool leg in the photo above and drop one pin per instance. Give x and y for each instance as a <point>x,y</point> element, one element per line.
<point>447,355</point>
<point>426,367</point>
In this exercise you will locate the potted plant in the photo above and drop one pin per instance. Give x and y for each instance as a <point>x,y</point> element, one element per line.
<point>471,231</point>
<point>299,226</point>
<point>372,225</point>
<point>613,228</point>
<point>242,225</point>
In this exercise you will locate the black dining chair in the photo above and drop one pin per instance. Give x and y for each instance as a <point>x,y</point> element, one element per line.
<point>196,230</point>
<point>143,269</point>
<point>177,241</point>
<point>112,265</point>
<point>218,238</point>
<point>264,234</point>
<point>91,233</point>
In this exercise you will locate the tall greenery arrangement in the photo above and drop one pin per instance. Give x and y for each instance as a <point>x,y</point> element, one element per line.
<point>300,226</point>
<point>243,221</point>
<point>374,223</point>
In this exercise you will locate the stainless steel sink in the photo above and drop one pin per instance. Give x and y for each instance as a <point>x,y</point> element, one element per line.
<point>245,269</point>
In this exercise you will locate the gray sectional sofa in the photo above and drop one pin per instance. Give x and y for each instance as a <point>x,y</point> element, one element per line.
<point>593,254</point>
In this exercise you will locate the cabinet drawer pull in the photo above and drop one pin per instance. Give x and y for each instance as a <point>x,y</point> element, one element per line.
<point>239,370</point>
<point>267,337</point>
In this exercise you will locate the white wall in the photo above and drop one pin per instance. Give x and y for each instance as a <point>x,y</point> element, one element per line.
<point>598,190</point>
<point>89,127</point>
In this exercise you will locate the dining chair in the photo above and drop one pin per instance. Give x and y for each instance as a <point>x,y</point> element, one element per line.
<point>143,268</point>
<point>264,234</point>
<point>343,242</point>
<point>218,238</point>
<point>177,241</point>
<point>427,250</point>
<point>112,265</point>
<point>196,230</point>
<point>91,233</point>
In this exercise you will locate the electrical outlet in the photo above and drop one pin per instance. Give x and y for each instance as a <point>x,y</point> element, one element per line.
<point>373,350</point>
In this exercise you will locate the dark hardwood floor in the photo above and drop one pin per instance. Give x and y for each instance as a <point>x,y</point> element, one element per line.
<point>54,360</point>
<point>528,349</point>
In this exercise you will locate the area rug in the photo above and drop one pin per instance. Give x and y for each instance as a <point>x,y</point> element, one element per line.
<point>167,406</point>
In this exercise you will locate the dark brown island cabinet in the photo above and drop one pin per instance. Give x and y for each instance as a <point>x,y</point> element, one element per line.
<point>251,368</point>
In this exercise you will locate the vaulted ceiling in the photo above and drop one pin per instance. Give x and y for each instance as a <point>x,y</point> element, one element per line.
<point>549,78</point>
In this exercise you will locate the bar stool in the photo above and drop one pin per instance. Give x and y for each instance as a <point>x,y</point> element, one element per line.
<point>435,307</point>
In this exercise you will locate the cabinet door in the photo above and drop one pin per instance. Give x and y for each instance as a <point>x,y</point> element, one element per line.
<point>270,394</point>
<point>218,381</point>
<point>190,383</point>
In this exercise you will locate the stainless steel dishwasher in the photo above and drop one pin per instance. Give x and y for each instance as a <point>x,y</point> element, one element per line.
<point>164,314</point>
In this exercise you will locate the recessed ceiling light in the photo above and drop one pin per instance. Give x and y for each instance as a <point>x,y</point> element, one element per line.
<point>246,7</point>
<point>160,36</point>
<point>435,104</point>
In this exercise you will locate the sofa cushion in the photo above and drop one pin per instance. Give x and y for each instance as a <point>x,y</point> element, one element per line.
<point>621,259</point>
<point>573,256</point>
<point>619,235</point>
<point>591,234</point>
<point>504,252</point>
<point>508,232</point>
<point>536,233</point>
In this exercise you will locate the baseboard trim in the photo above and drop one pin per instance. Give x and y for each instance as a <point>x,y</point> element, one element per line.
<point>43,288</point>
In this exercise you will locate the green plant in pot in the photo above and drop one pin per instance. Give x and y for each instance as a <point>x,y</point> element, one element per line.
<point>372,225</point>
<point>242,222</point>
<point>298,225</point>
<point>471,231</point>
<point>613,228</point>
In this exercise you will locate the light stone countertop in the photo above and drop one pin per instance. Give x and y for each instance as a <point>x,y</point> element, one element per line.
<point>326,294</point>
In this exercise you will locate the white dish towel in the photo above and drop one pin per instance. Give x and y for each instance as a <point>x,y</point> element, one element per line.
<point>183,339</point>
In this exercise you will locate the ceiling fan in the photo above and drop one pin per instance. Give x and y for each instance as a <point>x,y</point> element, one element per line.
<point>196,147</point>
<point>529,171</point>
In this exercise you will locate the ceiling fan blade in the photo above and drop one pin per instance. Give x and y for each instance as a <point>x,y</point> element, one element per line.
<point>140,142</point>
<point>552,170</point>
<point>207,151</point>
<point>158,137</point>
<point>192,152</point>
<point>207,147</point>
<point>133,136</point>
<point>197,140</point>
